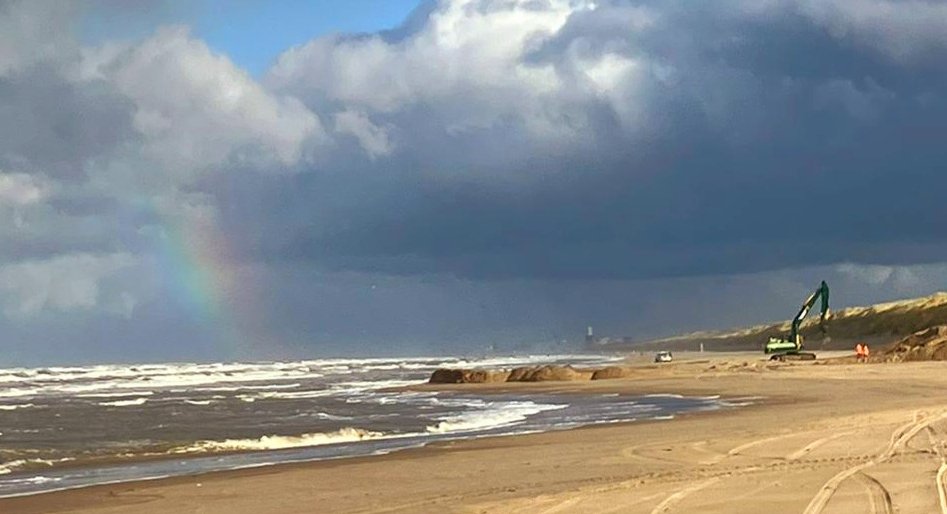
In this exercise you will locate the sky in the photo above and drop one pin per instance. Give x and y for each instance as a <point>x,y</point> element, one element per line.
<point>210,180</point>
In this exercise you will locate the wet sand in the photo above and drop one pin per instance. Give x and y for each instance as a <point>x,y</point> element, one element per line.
<point>828,438</point>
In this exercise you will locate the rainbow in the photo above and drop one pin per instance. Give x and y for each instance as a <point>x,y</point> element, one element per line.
<point>200,268</point>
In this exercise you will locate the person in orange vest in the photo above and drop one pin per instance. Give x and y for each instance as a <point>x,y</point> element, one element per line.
<point>859,352</point>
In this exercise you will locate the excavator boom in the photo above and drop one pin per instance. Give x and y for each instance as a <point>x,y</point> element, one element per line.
<point>792,345</point>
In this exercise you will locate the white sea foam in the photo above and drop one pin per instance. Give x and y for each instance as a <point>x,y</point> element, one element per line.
<point>15,392</point>
<point>37,480</point>
<point>278,442</point>
<point>9,467</point>
<point>139,378</point>
<point>326,415</point>
<point>116,395</point>
<point>496,415</point>
<point>295,395</point>
<point>17,406</point>
<point>124,403</point>
<point>198,402</point>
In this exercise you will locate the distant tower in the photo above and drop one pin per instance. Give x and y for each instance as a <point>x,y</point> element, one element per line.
<point>589,337</point>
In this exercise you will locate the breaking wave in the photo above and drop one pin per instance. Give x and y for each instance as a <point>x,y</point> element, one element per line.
<point>503,415</point>
<point>15,465</point>
<point>17,406</point>
<point>280,442</point>
<point>124,403</point>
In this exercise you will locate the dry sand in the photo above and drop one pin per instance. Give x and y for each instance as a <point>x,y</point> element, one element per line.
<point>828,438</point>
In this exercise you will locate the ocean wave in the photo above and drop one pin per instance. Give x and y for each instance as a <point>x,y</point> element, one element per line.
<point>285,395</point>
<point>124,403</point>
<point>333,417</point>
<point>198,402</point>
<point>15,392</point>
<point>116,395</point>
<point>9,467</point>
<point>245,387</point>
<point>500,414</point>
<point>17,406</point>
<point>296,395</point>
<point>106,380</point>
<point>37,480</point>
<point>279,442</point>
<point>361,386</point>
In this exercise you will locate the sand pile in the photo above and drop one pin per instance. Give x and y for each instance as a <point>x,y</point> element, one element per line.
<point>926,345</point>
<point>526,374</point>
<point>549,374</point>
<point>468,376</point>
<point>611,372</point>
<point>744,366</point>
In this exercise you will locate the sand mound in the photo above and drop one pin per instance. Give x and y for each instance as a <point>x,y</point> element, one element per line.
<point>468,376</point>
<point>611,372</point>
<point>549,374</point>
<point>925,345</point>
<point>526,374</point>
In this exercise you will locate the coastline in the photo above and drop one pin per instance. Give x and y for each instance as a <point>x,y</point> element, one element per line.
<point>638,464</point>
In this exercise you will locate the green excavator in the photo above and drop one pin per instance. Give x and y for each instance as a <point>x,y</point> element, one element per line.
<point>786,348</point>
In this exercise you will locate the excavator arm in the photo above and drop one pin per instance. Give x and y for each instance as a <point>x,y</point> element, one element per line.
<point>792,345</point>
<point>821,293</point>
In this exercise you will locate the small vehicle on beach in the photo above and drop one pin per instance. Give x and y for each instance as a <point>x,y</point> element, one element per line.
<point>663,356</point>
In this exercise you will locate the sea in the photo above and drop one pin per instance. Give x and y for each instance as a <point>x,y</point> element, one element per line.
<point>70,427</point>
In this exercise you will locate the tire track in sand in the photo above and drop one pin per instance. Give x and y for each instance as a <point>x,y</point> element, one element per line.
<point>738,449</point>
<point>733,452</point>
<point>561,506</point>
<point>937,445</point>
<point>879,497</point>
<point>899,437</point>
<point>942,487</point>
<point>815,444</point>
<point>672,500</point>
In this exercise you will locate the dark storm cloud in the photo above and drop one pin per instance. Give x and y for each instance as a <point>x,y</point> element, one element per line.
<point>490,170</point>
<point>53,126</point>
<point>759,139</point>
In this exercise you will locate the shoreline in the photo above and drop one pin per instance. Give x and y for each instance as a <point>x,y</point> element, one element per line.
<point>555,389</point>
<point>433,446</point>
<point>807,411</point>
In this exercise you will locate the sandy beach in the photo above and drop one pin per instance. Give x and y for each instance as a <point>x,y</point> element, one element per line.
<point>827,438</point>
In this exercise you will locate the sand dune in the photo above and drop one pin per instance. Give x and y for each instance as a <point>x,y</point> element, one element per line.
<point>878,324</point>
<point>925,345</point>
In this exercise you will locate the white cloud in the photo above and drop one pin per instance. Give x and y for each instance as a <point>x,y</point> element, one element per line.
<point>19,189</point>
<point>196,109</point>
<point>468,67</point>
<point>372,138</point>
<point>909,279</point>
<point>465,43</point>
<point>64,283</point>
<point>870,274</point>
